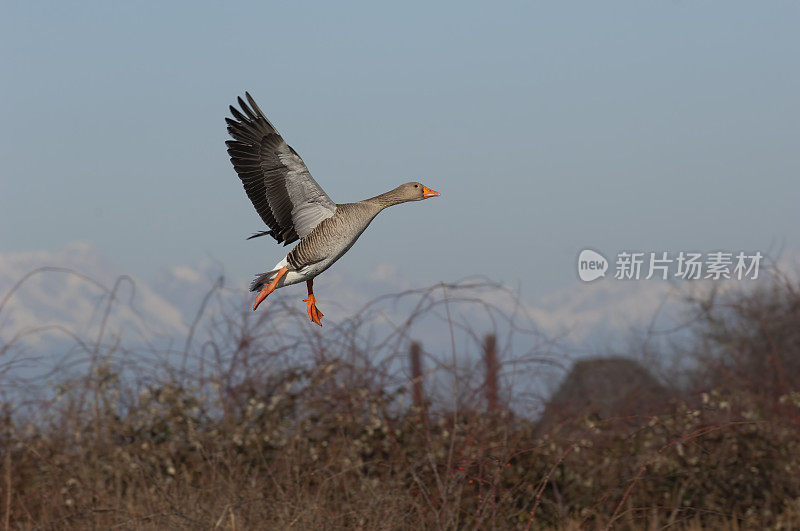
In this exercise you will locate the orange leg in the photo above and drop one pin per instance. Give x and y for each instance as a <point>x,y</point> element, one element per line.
<point>270,288</point>
<point>313,312</point>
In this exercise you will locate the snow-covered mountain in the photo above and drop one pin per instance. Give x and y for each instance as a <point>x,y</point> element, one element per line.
<point>49,295</point>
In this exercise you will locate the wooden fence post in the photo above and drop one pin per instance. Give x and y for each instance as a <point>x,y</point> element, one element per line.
<point>415,353</point>
<point>492,373</point>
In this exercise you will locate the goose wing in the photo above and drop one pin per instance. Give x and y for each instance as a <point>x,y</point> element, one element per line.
<point>274,176</point>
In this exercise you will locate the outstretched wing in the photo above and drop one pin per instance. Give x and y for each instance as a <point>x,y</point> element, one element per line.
<point>274,176</point>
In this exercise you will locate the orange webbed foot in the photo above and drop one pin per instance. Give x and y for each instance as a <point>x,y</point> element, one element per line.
<point>313,311</point>
<point>266,290</point>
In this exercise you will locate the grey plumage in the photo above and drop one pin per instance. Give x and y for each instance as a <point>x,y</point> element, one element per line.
<point>344,227</point>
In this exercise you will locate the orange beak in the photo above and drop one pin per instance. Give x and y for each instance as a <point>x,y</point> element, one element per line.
<point>427,192</point>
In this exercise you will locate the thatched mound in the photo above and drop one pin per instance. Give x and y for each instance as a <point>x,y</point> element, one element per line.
<point>604,388</point>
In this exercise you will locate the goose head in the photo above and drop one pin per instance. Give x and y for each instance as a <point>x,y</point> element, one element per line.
<point>412,191</point>
<point>415,191</point>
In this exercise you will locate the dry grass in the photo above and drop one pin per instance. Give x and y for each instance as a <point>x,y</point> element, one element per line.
<point>250,429</point>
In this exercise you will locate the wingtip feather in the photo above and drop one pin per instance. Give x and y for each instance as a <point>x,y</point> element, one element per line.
<point>254,105</point>
<point>250,114</point>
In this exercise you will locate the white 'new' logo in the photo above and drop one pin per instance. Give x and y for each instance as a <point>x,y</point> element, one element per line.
<point>591,265</point>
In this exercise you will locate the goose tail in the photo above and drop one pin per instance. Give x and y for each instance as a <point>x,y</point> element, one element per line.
<point>263,279</point>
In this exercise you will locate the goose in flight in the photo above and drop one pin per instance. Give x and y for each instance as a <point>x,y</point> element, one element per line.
<point>294,207</point>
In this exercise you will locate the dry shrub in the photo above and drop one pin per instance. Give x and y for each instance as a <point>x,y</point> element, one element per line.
<point>749,342</point>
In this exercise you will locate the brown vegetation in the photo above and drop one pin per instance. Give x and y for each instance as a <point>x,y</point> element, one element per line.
<point>254,429</point>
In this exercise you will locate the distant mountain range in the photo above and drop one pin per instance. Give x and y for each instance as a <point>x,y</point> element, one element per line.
<point>68,290</point>
<point>70,296</point>
<point>167,304</point>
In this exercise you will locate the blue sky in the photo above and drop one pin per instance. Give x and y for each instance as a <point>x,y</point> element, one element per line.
<point>547,127</point>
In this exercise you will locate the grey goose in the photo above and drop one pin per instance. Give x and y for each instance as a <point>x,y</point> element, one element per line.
<point>294,207</point>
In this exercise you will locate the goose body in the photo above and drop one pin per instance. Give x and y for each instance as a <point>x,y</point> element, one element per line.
<point>294,207</point>
<point>322,247</point>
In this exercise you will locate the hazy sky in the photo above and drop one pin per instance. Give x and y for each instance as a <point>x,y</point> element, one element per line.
<point>547,127</point>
